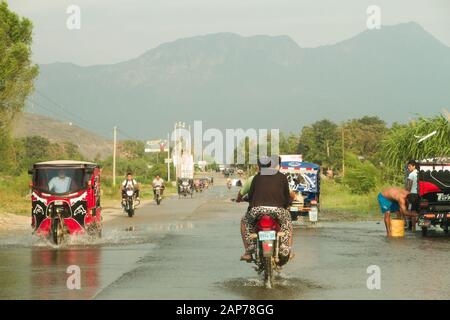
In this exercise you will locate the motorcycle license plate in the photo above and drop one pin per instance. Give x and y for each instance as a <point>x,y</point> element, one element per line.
<point>267,235</point>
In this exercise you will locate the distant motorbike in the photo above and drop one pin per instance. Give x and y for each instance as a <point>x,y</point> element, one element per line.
<point>158,195</point>
<point>129,203</point>
<point>185,189</point>
<point>198,186</point>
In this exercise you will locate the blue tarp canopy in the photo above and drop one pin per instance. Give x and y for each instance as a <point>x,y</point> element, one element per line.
<point>302,176</point>
<point>298,164</point>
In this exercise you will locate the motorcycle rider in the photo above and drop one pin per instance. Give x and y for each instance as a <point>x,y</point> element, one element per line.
<point>229,183</point>
<point>268,194</point>
<point>129,183</point>
<point>158,182</point>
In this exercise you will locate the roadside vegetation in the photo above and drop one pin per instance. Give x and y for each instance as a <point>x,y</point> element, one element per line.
<point>338,202</point>
<point>365,156</point>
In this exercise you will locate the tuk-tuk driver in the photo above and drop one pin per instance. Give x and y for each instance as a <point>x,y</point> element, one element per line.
<point>60,183</point>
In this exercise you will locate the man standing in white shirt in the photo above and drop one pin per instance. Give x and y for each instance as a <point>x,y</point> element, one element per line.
<point>412,187</point>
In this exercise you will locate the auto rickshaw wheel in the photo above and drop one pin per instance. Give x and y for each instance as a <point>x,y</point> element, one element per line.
<point>57,232</point>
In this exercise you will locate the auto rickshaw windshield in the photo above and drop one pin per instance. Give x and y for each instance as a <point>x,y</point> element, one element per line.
<point>60,180</point>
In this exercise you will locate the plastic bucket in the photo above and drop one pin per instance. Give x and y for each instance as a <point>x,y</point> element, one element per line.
<point>397,228</point>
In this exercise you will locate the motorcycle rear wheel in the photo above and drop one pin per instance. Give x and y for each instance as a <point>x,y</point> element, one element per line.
<point>268,272</point>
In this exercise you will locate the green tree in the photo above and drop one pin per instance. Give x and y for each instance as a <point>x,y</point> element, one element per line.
<point>132,149</point>
<point>402,143</point>
<point>17,73</point>
<point>363,136</point>
<point>71,151</point>
<point>289,143</point>
<point>361,176</point>
<point>321,143</point>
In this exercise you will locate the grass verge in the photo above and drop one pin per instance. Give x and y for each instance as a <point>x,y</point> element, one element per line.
<point>338,203</point>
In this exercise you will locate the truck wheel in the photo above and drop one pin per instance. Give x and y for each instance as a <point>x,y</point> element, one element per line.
<point>424,231</point>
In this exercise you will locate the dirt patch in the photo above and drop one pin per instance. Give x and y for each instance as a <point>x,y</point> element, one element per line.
<point>13,222</point>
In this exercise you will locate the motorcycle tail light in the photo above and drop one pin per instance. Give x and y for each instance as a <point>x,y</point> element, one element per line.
<point>266,222</point>
<point>313,202</point>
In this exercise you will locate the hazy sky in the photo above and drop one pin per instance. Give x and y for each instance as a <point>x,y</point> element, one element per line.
<point>117,30</point>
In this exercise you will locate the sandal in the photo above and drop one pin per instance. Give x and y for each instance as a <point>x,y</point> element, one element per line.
<point>247,257</point>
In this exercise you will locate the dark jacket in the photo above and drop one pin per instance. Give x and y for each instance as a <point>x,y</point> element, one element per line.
<point>269,190</point>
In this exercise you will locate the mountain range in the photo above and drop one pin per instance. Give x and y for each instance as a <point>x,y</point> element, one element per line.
<point>230,81</point>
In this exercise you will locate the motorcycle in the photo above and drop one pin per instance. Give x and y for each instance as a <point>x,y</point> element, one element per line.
<point>267,256</point>
<point>130,203</point>
<point>185,189</point>
<point>198,186</point>
<point>157,195</point>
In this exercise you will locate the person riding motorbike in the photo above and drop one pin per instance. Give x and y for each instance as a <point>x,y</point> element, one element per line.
<point>229,183</point>
<point>129,183</point>
<point>268,194</point>
<point>158,182</point>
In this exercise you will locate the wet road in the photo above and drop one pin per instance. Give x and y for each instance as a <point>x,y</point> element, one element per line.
<point>190,248</point>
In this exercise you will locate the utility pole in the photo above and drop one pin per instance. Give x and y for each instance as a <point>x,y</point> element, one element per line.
<point>343,152</point>
<point>114,155</point>
<point>328,151</point>
<point>168,157</point>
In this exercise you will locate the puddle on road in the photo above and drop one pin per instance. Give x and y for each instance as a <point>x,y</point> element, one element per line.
<point>284,288</point>
<point>110,237</point>
<point>131,234</point>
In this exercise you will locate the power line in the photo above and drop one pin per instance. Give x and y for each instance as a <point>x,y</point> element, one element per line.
<point>127,135</point>
<point>58,105</point>
<point>83,123</point>
<point>77,122</point>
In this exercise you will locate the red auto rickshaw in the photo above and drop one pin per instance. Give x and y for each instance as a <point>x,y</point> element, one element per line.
<point>65,199</point>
